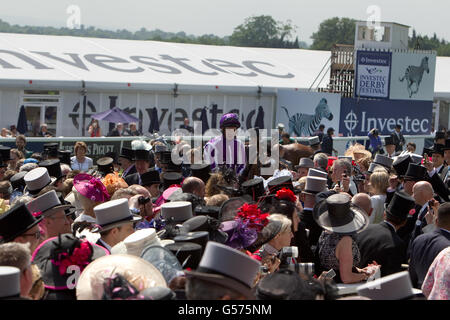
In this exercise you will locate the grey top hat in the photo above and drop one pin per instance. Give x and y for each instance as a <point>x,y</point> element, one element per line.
<point>36,180</point>
<point>228,267</point>
<point>179,211</point>
<point>417,159</point>
<point>384,161</point>
<point>10,282</point>
<point>112,214</point>
<point>313,141</point>
<point>350,159</point>
<point>317,173</point>
<point>396,286</point>
<point>315,185</point>
<point>373,166</point>
<point>48,204</point>
<point>305,163</point>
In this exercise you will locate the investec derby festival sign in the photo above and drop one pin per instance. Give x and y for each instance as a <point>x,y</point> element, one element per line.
<point>373,74</point>
<point>359,117</point>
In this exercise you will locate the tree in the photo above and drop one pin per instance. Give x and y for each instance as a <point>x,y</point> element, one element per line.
<point>333,31</point>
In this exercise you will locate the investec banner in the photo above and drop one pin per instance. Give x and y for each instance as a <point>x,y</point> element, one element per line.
<point>372,74</point>
<point>359,117</point>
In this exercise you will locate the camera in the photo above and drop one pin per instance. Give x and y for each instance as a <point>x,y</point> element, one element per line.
<point>288,256</point>
<point>143,200</point>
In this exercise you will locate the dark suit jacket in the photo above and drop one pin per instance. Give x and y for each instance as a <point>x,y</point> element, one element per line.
<point>132,179</point>
<point>132,171</point>
<point>443,172</point>
<point>423,251</point>
<point>188,128</point>
<point>397,141</point>
<point>300,240</point>
<point>406,231</point>
<point>315,230</point>
<point>327,145</point>
<point>380,243</point>
<point>114,133</point>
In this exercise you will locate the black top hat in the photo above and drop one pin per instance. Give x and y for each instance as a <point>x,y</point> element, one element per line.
<point>17,180</point>
<point>170,178</point>
<point>52,145</point>
<point>254,188</point>
<point>205,223</point>
<point>64,156</point>
<point>438,148</point>
<point>15,222</point>
<point>141,155</point>
<point>210,211</point>
<point>188,254</point>
<point>126,153</point>
<point>53,167</point>
<point>400,205</point>
<point>51,149</point>
<point>172,167</point>
<point>201,171</point>
<point>439,135</point>
<point>284,284</point>
<point>166,157</point>
<point>415,172</point>
<point>2,163</point>
<point>48,254</point>
<point>447,145</point>
<point>112,155</point>
<point>280,183</point>
<point>5,153</point>
<point>389,141</point>
<point>199,237</point>
<point>426,151</point>
<point>150,177</point>
<point>105,165</point>
<point>401,165</point>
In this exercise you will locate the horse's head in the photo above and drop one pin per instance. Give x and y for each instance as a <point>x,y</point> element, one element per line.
<point>324,110</point>
<point>425,64</point>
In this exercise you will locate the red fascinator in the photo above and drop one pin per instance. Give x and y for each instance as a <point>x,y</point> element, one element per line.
<point>286,194</point>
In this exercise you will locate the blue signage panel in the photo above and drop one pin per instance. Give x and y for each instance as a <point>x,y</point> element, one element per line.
<point>359,117</point>
<point>373,73</point>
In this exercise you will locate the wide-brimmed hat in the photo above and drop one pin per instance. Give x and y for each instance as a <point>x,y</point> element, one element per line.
<point>265,235</point>
<point>105,165</point>
<point>396,286</point>
<point>10,280</point>
<point>317,173</point>
<point>384,161</point>
<point>438,148</point>
<point>254,188</point>
<point>55,255</point>
<point>305,163</point>
<point>400,205</point>
<point>136,242</point>
<point>5,153</point>
<point>188,254</point>
<point>90,187</point>
<point>53,167</point>
<point>205,223</point>
<point>229,208</point>
<point>339,215</point>
<point>126,153</point>
<point>163,260</point>
<point>47,204</point>
<point>315,185</point>
<point>227,267</point>
<point>415,172</point>
<point>90,285</point>
<point>178,211</point>
<point>112,214</point>
<point>201,171</point>
<point>36,180</point>
<point>16,221</point>
<point>150,177</point>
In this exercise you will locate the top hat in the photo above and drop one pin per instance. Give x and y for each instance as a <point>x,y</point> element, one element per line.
<point>254,188</point>
<point>126,153</point>
<point>373,166</point>
<point>205,223</point>
<point>426,151</point>
<point>348,158</point>
<point>17,180</point>
<point>280,183</point>
<point>227,267</point>
<point>201,171</point>
<point>90,285</point>
<point>438,148</point>
<point>54,255</point>
<point>384,161</point>
<point>401,164</point>
<point>314,141</point>
<point>315,185</point>
<point>317,173</point>
<point>396,286</point>
<point>199,237</point>
<point>10,280</point>
<point>15,222</point>
<point>415,158</point>
<point>338,215</point>
<point>439,135</point>
<point>166,157</point>
<point>105,165</point>
<point>447,145</point>
<point>47,204</point>
<point>51,145</point>
<point>136,242</point>
<point>64,156</point>
<point>305,163</point>
<point>163,260</point>
<point>160,148</point>
<point>188,254</point>
<point>400,205</point>
<point>389,141</point>
<point>141,155</point>
<point>284,284</point>
<point>5,153</point>
<point>113,155</point>
<point>415,172</point>
<point>113,214</point>
<point>51,149</point>
<point>171,178</point>
<point>53,167</point>
<point>3,164</point>
<point>37,179</point>
<point>178,211</point>
<point>150,177</point>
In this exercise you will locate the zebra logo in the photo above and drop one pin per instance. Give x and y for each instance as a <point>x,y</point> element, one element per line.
<point>413,75</point>
<point>306,124</point>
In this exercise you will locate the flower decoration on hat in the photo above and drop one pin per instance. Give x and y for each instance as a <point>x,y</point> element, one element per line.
<point>113,182</point>
<point>253,215</point>
<point>286,194</point>
<point>78,254</point>
<point>91,187</point>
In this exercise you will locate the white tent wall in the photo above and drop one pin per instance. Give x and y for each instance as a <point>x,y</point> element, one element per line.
<point>9,107</point>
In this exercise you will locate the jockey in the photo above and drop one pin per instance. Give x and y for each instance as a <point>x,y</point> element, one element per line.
<point>226,149</point>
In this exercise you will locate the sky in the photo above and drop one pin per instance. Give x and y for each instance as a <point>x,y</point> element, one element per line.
<point>199,17</point>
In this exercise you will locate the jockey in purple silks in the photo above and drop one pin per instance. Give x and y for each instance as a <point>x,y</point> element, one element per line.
<point>226,149</point>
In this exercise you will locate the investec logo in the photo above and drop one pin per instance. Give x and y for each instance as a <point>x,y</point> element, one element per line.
<point>409,125</point>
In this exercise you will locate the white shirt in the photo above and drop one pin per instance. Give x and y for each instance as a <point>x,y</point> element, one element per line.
<point>104,244</point>
<point>84,166</point>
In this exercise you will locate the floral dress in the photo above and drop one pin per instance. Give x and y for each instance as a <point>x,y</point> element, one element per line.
<point>436,285</point>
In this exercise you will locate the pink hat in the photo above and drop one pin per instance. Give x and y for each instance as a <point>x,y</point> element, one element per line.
<point>90,187</point>
<point>164,197</point>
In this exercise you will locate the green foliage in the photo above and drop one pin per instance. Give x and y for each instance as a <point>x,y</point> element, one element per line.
<point>334,31</point>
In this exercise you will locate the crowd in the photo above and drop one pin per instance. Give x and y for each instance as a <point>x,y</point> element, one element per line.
<point>140,225</point>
